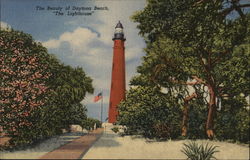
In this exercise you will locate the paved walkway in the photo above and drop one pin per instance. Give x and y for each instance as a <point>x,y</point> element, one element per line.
<point>43,147</point>
<point>75,149</point>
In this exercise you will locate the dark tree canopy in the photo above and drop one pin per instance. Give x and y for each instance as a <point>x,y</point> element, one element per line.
<point>198,45</point>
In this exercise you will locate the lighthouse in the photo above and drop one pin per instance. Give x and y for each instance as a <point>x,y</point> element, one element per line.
<point>117,91</point>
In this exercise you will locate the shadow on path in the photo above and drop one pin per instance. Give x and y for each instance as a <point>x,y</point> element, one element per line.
<point>107,140</point>
<point>75,149</point>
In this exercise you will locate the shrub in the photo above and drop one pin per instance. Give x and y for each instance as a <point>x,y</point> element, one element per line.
<point>24,72</point>
<point>195,151</point>
<point>89,123</point>
<point>162,130</point>
<point>115,129</point>
<point>39,96</point>
<point>150,113</point>
<point>233,121</point>
<point>197,120</point>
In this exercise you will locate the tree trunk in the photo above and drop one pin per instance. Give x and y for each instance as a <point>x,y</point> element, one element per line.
<point>185,119</point>
<point>185,114</point>
<point>211,112</point>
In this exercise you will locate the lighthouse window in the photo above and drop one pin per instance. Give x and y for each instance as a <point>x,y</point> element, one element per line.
<point>118,30</point>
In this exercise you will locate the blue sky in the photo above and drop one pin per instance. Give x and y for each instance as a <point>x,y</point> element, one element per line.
<point>84,41</point>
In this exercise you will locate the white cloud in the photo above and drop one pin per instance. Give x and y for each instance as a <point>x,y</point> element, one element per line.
<point>133,52</point>
<point>52,43</point>
<point>87,49</point>
<point>4,25</point>
<point>78,39</point>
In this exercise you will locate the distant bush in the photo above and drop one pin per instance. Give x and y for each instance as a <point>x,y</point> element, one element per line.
<point>89,123</point>
<point>115,129</point>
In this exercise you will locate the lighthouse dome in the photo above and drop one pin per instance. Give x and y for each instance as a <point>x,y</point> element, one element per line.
<point>119,32</point>
<point>119,25</point>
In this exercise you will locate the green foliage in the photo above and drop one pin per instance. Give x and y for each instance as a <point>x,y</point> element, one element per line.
<point>70,86</point>
<point>197,119</point>
<point>89,123</point>
<point>115,129</point>
<point>233,121</point>
<point>194,151</point>
<point>24,72</point>
<point>148,112</point>
<point>233,73</point>
<point>206,39</point>
<point>39,96</point>
<point>76,114</point>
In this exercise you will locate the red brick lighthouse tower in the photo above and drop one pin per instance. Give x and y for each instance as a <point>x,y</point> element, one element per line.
<point>117,91</point>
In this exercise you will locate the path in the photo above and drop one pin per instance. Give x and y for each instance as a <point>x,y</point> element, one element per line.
<point>66,146</point>
<point>112,146</point>
<point>75,149</point>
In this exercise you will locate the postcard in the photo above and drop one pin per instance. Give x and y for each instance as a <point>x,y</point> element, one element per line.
<point>124,79</point>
